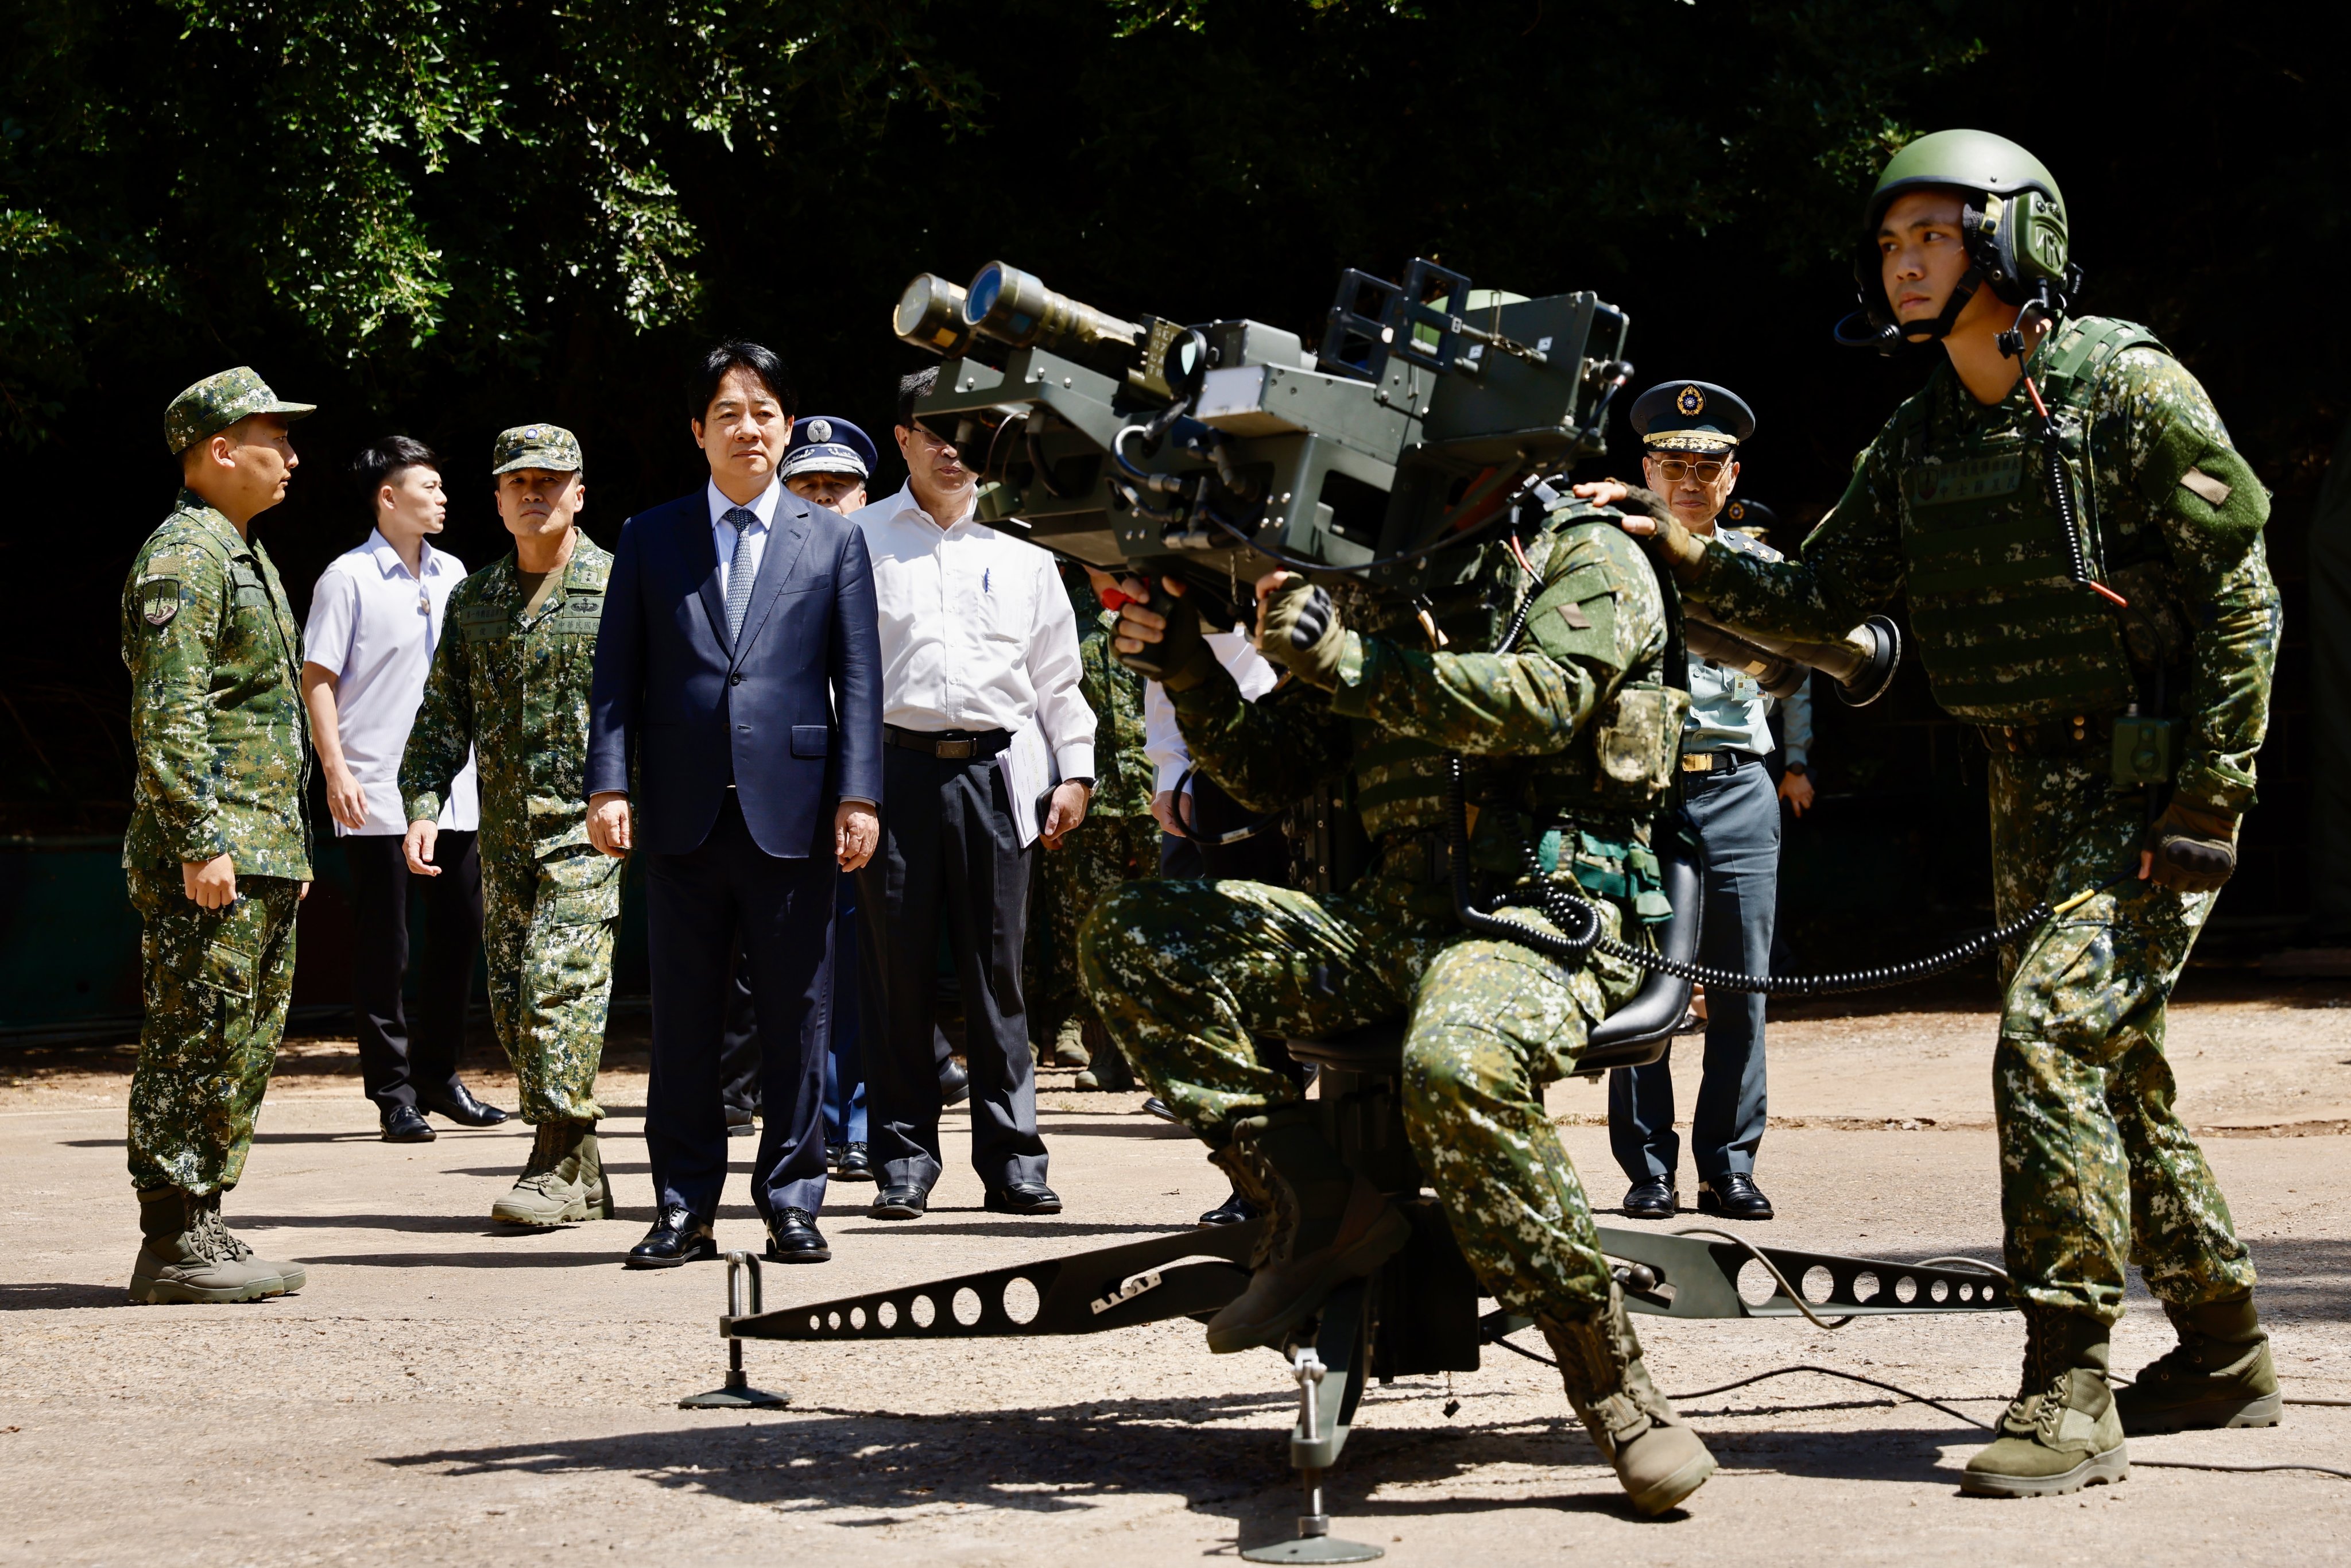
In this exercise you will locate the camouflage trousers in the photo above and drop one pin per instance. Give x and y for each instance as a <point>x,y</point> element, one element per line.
<point>547,932</point>
<point>2096,1170</point>
<point>1091,864</point>
<point>1187,973</point>
<point>216,981</point>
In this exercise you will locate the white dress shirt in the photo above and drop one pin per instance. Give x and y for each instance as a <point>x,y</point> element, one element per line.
<point>977,631</point>
<point>373,626</point>
<point>1163,741</point>
<point>762,508</point>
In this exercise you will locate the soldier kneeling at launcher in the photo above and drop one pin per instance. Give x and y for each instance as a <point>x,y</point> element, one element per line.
<point>1546,678</point>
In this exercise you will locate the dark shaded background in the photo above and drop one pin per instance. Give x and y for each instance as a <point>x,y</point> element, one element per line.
<point>1699,165</point>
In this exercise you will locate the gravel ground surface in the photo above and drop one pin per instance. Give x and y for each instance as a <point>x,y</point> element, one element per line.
<point>446,1392</point>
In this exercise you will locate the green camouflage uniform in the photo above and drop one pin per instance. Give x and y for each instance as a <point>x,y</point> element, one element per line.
<point>2096,1169</point>
<point>1186,974</point>
<point>515,691</point>
<point>222,748</point>
<point>1119,841</point>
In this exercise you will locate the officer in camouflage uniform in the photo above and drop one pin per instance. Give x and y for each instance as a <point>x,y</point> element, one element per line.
<point>1118,843</point>
<point>1953,505</point>
<point>512,685</point>
<point>1571,739</point>
<point>217,855</point>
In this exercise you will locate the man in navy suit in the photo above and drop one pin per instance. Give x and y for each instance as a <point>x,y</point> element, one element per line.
<point>738,670</point>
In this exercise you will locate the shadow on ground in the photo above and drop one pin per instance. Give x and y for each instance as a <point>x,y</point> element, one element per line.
<point>1068,1459</point>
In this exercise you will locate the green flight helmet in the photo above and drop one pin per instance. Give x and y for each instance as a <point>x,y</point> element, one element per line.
<point>2014,229</point>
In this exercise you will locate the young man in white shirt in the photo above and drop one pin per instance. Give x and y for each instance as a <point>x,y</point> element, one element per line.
<point>979,642</point>
<point>375,619</point>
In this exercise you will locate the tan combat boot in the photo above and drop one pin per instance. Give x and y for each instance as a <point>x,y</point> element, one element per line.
<point>1069,1048</point>
<point>291,1277</point>
<point>182,1258</point>
<point>2060,1432</point>
<point>2219,1374</point>
<point>1329,1225</point>
<point>1658,1461</point>
<point>563,1181</point>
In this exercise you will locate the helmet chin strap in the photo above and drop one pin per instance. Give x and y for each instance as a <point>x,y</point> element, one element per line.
<point>1939,327</point>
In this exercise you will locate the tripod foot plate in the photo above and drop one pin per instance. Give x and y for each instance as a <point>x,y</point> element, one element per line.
<point>1313,1549</point>
<point>735,1399</point>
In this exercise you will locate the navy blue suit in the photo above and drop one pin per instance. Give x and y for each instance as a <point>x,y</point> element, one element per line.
<point>741,752</point>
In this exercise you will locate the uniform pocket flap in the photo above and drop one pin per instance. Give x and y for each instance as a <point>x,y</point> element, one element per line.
<point>583,907</point>
<point>228,970</point>
<point>580,890</point>
<point>811,741</point>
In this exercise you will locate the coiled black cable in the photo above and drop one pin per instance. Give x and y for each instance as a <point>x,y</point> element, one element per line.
<point>1579,916</point>
<point>1574,914</point>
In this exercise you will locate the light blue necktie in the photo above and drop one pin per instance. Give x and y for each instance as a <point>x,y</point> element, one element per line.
<point>739,571</point>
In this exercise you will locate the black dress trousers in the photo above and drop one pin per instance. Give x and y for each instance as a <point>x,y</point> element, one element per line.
<point>951,859</point>
<point>395,1064</point>
<point>695,905</point>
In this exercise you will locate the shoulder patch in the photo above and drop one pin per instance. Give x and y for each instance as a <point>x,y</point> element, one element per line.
<point>159,599</point>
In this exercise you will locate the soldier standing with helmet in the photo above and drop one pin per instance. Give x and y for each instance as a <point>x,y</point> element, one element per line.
<point>509,683</point>
<point>2081,548</point>
<point>217,853</point>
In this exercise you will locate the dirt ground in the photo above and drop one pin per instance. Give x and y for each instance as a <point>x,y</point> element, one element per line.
<point>445,1392</point>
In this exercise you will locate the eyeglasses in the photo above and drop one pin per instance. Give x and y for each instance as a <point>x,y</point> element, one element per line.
<point>1673,470</point>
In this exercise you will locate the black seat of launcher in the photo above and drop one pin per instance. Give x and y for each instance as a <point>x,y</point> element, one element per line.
<point>1633,1036</point>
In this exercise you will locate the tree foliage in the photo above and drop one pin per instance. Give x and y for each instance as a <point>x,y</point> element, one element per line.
<point>415,187</point>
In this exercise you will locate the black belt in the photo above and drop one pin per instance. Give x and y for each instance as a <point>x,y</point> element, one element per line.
<point>1723,761</point>
<point>948,745</point>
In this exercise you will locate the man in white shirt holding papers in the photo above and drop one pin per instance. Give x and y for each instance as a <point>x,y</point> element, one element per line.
<point>375,618</point>
<point>978,645</point>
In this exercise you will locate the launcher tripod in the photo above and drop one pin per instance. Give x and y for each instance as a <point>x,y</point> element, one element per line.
<point>1418,1314</point>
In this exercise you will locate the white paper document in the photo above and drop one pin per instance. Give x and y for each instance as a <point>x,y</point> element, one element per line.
<point>1029,775</point>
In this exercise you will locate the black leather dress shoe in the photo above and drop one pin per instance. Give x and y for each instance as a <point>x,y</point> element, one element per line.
<point>1023,1197</point>
<point>1234,1210</point>
<point>899,1203</point>
<point>738,1122</point>
<point>855,1164</point>
<point>1652,1199</point>
<point>954,1083</point>
<point>793,1237</point>
<point>460,1106</point>
<point>1734,1196</point>
<point>679,1236</point>
<point>406,1125</point>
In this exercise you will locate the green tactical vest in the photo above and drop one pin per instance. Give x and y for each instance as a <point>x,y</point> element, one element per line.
<point>1606,784</point>
<point>2005,634</point>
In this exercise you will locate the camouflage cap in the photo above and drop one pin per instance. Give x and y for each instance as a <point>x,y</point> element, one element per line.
<point>217,401</point>
<point>547,446</point>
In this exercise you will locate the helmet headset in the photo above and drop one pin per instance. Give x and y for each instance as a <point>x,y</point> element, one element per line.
<point>2013,223</point>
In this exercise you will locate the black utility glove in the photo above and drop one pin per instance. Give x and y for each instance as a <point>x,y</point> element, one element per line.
<point>1181,659</point>
<point>2195,846</point>
<point>1301,632</point>
<point>1681,551</point>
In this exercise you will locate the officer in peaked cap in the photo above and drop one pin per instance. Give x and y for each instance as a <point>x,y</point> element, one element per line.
<point>826,463</point>
<point>1691,433</point>
<point>829,462</point>
<point>217,853</point>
